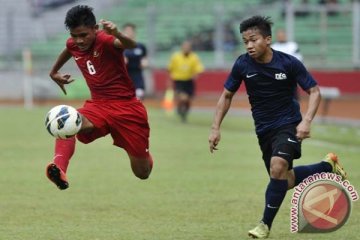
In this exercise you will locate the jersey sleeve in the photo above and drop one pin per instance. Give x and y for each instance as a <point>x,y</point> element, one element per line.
<point>70,45</point>
<point>108,40</point>
<point>199,67</point>
<point>302,76</point>
<point>234,79</point>
<point>171,63</point>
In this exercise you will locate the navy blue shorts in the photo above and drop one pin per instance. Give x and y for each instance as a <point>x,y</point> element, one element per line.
<point>280,142</point>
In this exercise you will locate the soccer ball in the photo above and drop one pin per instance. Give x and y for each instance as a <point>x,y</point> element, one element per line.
<point>63,121</point>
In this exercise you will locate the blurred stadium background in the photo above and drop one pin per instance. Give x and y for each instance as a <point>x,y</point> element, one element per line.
<point>328,36</point>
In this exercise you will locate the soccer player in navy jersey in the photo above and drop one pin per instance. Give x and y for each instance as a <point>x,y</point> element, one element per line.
<point>113,108</point>
<point>270,78</point>
<point>136,60</point>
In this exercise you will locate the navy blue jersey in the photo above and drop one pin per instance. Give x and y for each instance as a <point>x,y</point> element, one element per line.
<point>134,57</point>
<point>133,65</point>
<point>271,88</point>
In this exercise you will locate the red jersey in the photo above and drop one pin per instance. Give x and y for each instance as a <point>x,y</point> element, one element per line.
<point>103,68</point>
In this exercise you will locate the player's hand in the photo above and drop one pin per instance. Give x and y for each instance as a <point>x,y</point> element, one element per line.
<point>109,27</point>
<point>62,80</point>
<point>214,139</point>
<point>303,130</point>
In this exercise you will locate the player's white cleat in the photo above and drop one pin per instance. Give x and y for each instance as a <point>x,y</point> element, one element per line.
<point>260,231</point>
<point>333,160</point>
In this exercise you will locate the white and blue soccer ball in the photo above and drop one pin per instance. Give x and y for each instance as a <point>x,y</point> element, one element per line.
<point>63,121</point>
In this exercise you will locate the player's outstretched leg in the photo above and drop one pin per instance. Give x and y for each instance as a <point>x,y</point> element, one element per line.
<point>56,170</point>
<point>141,167</point>
<point>330,163</point>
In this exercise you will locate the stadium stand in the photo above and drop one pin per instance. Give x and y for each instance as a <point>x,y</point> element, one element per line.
<point>173,23</point>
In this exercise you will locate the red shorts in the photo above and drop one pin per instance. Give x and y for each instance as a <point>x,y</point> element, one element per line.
<point>125,120</point>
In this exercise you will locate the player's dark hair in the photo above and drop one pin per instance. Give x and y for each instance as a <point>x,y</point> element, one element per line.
<point>80,15</point>
<point>129,24</point>
<point>263,24</point>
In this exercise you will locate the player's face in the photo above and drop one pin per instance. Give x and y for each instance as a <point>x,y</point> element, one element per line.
<point>84,36</point>
<point>186,47</point>
<point>130,32</point>
<point>256,44</point>
<point>281,36</point>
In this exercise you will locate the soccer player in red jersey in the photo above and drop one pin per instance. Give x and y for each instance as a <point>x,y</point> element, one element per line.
<point>113,108</point>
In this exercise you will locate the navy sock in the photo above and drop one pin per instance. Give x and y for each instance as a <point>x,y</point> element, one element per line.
<point>302,172</point>
<point>274,196</point>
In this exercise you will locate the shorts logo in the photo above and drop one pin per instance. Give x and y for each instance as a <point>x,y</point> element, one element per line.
<point>283,153</point>
<point>321,203</point>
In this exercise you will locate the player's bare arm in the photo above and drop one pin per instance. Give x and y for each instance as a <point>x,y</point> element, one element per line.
<point>303,129</point>
<point>144,63</point>
<point>222,108</point>
<point>121,41</point>
<point>56,76</point>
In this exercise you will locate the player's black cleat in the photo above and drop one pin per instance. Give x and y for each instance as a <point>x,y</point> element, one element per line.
<point>57,176</point>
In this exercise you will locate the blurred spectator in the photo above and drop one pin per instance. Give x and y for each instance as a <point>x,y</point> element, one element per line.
<point>331,6</point>
<point>302,12</point>
<point>136,60</point>
<point>184,67</point>
<point>39,6</point>
<point>289,47</point>
<point>283,45</point>
<point>268,1</point>
<point>230,40</point>
<point>204,40</point>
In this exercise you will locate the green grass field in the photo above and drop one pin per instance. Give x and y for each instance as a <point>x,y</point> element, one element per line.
<point>191,193</point>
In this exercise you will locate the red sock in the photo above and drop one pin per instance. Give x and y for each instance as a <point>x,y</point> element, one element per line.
<point>64,149</point>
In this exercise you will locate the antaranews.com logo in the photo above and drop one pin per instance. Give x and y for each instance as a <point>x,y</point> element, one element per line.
<point>321,203</point>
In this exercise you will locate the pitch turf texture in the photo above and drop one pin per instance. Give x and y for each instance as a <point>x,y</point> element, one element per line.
<point>191,193</point>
